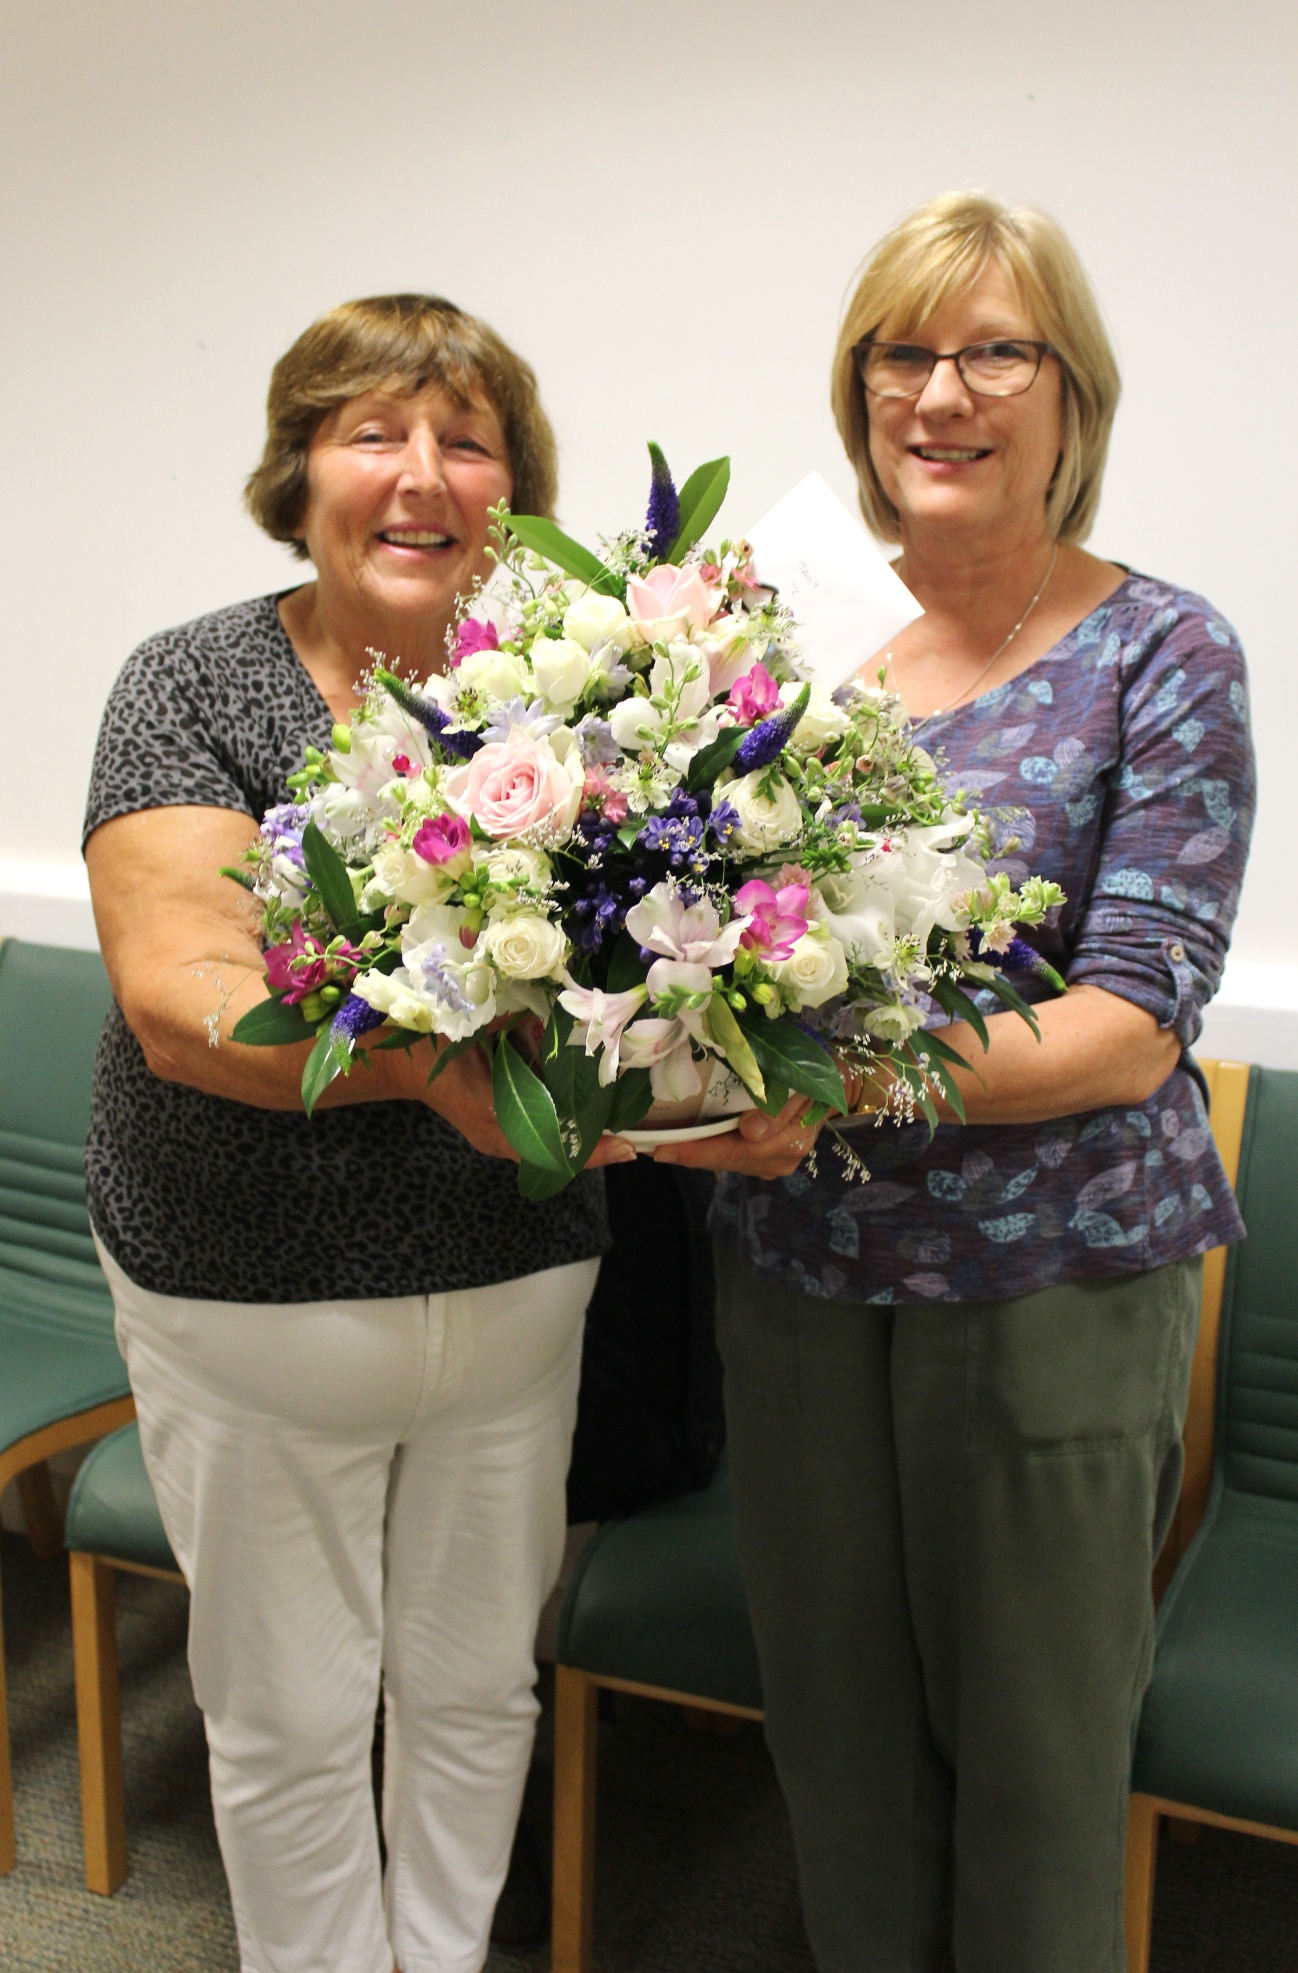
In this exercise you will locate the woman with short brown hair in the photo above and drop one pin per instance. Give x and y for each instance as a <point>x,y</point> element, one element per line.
<point>354,1348</point>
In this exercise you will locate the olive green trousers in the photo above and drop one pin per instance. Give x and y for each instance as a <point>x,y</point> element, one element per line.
<point>947,1516</point>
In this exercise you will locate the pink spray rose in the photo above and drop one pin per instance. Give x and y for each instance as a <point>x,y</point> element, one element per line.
<point>754,695</point>
<point>516,784</point>
<point>668,602</point>
<point>442,838</point>
<point>777,918</point>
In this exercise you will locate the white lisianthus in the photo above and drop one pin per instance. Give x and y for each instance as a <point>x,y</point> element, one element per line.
<point>400,874</point>
<point>766,821</point>
<point>500,675</point>
<point>892,1023</point>
<point>822,722</point>
<point>561,671</point>
<point>525,946</point>
<point>814,971</point>
<point>339,810</point>
<point>594,619</point>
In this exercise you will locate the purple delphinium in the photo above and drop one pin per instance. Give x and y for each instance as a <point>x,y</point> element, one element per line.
<point>723,821</point>
<point>354,1018</point>
<point>767,742</point>
<point>663,520</point>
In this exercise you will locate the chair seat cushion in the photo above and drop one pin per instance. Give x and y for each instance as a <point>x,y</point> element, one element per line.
<point>657,1599</point>
<point>112,1510</point>
<point>53,1367</point>
<point>1219,1729</point>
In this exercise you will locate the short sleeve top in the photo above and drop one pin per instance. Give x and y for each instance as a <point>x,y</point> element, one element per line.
<point>1123,764</point>
<point>200,1196</point>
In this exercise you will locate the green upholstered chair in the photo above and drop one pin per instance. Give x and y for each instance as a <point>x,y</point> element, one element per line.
<point>112,1523</point>
<point>62,1381</point>
<point>655,1607</point>
<point>1218,1737</point>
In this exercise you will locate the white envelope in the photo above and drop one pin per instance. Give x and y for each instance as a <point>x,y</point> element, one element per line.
<point>830,574</point>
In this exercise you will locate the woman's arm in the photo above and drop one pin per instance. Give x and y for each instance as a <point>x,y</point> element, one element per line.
<point>181,948</point>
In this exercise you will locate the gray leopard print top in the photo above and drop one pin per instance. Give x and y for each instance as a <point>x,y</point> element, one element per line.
<point>199,1196</point>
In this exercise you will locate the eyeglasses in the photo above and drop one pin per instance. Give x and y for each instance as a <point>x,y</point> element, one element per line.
<point>996,369</point>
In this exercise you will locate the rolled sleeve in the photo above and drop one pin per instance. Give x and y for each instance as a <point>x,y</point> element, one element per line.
<point>1178,818</point>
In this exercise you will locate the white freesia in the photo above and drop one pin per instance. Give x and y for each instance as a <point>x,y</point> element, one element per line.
<point>524,946</point>
<point>594,619</point>
<point>913,882</point>
<point>767,820</point>
<point>442,986</point>
<point>496,675</point>
<point>822,722</point>
<point>814,971</point>
<point>561,669</point>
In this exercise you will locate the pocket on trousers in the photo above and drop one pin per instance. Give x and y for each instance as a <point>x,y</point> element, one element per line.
<point>1077,1367</point>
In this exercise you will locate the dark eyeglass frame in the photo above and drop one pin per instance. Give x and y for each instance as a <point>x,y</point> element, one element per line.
<point>867,343</point>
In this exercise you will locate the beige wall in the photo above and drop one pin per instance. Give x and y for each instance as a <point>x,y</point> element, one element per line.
<point>661,205</point>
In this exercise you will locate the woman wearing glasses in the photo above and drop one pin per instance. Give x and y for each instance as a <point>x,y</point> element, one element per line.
<point>955,1394</point>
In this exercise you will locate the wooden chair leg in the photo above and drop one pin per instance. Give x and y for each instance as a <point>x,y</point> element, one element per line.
<point>576,1729</point>
<point>8,1855</point>
<point>41,1512</point>
<point>99,1722</point>
<point>1142,1858</point>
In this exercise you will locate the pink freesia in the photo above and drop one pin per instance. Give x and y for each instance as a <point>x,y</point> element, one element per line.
<point>474,635</point>
<point>298,967</point>
<point>777,919</point>
<point>517,784</point>
<point>754,695</point>
<point>668,602</point>
<point>599,793</point>
<point>441,838</point>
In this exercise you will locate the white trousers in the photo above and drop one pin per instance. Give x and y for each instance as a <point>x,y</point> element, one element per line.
<point>356,1489</point>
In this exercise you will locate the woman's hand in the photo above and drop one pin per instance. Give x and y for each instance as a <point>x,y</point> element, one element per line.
<point>462,1094</point>
<point>762,1147</point>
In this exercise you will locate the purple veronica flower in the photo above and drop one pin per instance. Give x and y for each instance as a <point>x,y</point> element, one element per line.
<point>1027,959</point>
<point>354,1018</point>
<point>767,742</point>
<point>663,520</point>
<point>457,741</point>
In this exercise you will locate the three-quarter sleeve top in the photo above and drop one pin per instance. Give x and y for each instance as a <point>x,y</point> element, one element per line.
<point>1125,751</point>
<point>200,1196</point>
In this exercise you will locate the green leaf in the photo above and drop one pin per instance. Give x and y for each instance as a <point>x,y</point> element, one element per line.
<point>773,1102</point>
<point>328,873</point>
<point>535,532</point>
<point>537,1182</point>
<point>331,1057</point>
<point>272,1024</point>
<point>953,1000</point>
<point>730,1037</point>
<point>525,1110</point>
<point>626,969</point>
<point>701,498</point>
<point>713,759</point>
<point>572,1078</point>
<point>786,1053</point>
<point>632,1096</point>
<point>449,1053</point>
<point>1014,1000</point>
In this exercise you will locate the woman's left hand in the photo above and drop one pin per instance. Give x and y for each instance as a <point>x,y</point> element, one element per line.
<point>762,1147</point>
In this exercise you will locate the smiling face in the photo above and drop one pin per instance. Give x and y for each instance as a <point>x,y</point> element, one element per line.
<point>955,463</point>
<point>399,490</point>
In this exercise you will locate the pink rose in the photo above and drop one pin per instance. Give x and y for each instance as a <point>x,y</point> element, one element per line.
<point>754,695</point>
<point>777,919</point>
<point>516,784</point>
<point>668,602</point>
<point>442,838</point>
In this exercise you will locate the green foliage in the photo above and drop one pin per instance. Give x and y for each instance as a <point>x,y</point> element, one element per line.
<point>712,760</point>
<point>525,1111</point>
<point>732,1039</point>
<point>271,1024</point>
<point>328,873</point>
<point>626,969</point>
<point>700,498</point>
<point>953,1000</point>
<point>787,1054</point>
<point>545,538</point>
<point>632,1097</point>
<point>331,1056</point>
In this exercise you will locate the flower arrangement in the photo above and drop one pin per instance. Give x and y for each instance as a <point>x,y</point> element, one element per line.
<point>625,844</point>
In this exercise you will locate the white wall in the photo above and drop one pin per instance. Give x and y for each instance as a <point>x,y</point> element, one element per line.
<point>662,207</point>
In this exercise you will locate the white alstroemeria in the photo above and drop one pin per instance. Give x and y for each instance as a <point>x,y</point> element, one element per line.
<point>600,1021</point>
<point>770,814</point>
<point>664,923</point>
<point>815,971</point>
<point>524,946</point>
<point>593,620</point>
<point>665,1048</point>
<point>728,652</point>
<point>822,722</point>
<point>561,669</point>
<point>682,987</point>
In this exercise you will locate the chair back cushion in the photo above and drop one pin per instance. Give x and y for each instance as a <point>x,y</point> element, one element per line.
<point>1257,1423</point>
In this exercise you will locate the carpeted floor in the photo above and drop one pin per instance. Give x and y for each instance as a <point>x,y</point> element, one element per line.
<point>695,1862</point>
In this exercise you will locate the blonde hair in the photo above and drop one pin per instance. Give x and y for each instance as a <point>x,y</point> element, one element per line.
<point>937,252</point>
<point>403,343</point>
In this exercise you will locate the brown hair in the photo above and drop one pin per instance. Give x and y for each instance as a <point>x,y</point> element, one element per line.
<point>936,252</point>
<point>401,343</point>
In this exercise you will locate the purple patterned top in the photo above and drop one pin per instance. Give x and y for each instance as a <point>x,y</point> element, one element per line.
<point>1128,746</point>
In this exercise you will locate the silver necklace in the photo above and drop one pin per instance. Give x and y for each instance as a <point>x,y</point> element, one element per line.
<point>1000,650</point>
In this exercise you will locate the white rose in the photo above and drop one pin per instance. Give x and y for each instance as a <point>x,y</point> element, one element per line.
<point>814,971</point>
<point>822,722</point>
<point>399,873</point>
<point>525,946</point>
<point>560,671</point>
<point>766,822</point>
<point>493,675</point>
<point>594,619</point>
<point>636,724</point>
